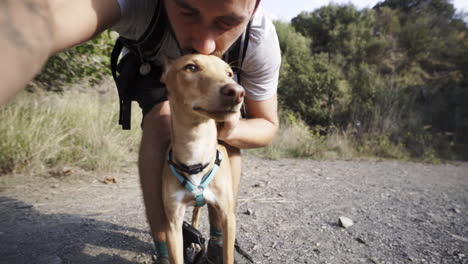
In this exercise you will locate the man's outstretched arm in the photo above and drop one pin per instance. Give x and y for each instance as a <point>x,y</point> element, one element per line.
<point>33,30</point>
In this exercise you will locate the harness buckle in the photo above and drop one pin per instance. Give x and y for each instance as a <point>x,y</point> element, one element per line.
<point>198,191</point>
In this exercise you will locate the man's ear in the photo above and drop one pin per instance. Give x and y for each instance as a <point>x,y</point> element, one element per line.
<point>167,65</point>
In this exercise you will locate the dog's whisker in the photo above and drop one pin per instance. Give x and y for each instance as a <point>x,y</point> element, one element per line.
<point>236,62</point>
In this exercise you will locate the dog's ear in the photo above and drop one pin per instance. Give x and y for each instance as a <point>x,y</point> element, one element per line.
<point>167,65</point>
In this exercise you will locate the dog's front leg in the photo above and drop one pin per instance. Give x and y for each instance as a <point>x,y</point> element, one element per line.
<point>229,237</point>
<point>175,217</point>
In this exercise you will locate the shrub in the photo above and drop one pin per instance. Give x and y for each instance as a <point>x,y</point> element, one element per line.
<point>90,61</point>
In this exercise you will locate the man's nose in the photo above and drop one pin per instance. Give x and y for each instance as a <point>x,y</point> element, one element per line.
<point>204,43</point>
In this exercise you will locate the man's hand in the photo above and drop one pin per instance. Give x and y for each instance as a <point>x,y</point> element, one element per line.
<point>227,129</point>
<point>256,131</point>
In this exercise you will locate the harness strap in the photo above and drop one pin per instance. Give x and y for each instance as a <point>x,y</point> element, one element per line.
<point>197,190</point>
<point>190,169</point>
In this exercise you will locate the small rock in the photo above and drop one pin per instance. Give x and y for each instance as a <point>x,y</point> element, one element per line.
<point>249,211</point>
<point>345,221</point>
<point>456,210</point>
<point>360,240</point>
<point>257,185</point>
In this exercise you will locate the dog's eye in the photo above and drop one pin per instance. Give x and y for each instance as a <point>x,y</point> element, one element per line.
<point>230,74</point>
<point>191,67</point>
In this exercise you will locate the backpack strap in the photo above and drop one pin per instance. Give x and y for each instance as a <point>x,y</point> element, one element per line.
<point>144,48</point>
<point>236,54</point>
<point>125,102</point>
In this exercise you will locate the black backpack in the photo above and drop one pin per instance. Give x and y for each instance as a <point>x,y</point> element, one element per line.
<point>147,47</point>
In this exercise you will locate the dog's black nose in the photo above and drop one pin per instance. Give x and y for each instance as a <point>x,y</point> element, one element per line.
<point>233,91</point>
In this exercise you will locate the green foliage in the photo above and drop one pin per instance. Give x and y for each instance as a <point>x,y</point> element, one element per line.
<point>395,76</point>
<point>90,61</point>
<point>308,83</point>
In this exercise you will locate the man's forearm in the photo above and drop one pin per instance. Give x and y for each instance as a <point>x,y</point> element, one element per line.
<point>252,133</point>
<point>26,37</point>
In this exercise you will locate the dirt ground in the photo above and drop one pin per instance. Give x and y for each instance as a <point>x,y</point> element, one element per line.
<point>288,213</point>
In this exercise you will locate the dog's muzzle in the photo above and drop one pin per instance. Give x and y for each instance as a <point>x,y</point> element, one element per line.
<point>233,92</point>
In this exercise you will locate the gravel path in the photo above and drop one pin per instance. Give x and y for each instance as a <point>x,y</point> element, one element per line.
<point>288,213</point>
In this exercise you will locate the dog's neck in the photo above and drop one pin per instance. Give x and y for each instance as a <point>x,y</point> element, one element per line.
<point>193,138</point>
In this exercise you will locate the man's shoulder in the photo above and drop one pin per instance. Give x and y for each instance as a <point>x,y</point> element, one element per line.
<point>260,69</point>
<point>135,17</point>
<point>261,26</point>
<point>263,40</point>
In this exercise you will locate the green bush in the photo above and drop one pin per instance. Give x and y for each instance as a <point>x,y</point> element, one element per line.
<point>380,75</point>
<point>90,61</point>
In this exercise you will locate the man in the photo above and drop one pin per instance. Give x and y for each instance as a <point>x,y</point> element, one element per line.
<point>32,30</point>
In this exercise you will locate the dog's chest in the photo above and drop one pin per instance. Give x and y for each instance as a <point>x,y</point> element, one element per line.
<point>187,197</point>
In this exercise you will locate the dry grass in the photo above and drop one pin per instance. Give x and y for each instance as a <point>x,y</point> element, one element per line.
<point>73,129</point>
<point>297,140</point>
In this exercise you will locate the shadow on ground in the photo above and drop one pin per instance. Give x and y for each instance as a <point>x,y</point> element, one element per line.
<point>28,236</point>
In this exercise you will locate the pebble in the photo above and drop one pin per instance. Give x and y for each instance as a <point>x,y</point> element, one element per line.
<point>249,211</point>
<point>360,240</point>
<point>345,221</point>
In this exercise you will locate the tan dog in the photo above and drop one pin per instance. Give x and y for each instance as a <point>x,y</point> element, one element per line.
<point>201,92</point>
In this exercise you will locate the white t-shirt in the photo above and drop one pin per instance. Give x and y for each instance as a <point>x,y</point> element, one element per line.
<point>260,69</point>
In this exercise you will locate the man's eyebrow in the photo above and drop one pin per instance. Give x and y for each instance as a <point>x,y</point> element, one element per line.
<point>183,4</point>
<point>233,18</point>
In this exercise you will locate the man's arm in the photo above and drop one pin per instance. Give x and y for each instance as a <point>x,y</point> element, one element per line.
<point>33,30</point>
<point>256,131</point>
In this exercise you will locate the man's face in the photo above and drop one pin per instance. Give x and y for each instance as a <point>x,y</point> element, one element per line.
<point>206,26</point>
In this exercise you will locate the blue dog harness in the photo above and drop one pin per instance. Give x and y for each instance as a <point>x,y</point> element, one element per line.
<point>197,190</point>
